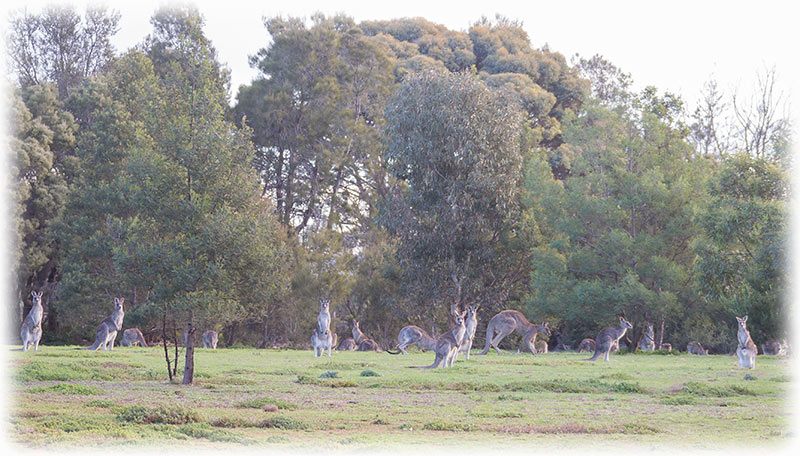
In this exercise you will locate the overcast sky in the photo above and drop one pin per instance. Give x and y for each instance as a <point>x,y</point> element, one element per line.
<point>675,46</point>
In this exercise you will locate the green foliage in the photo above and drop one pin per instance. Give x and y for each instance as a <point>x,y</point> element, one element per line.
<point>141,414</point>
<point>261,402</point>
<point>369,373</point>
<point>68,388</point>
<point>329,374</point>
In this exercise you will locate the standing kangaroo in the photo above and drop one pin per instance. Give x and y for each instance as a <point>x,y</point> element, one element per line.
<point>607,337</point>
<point>210,339</point>
<point>363,342</point>
<point>587,345</point>
<point>132,336</point>
<point>324,317</point>
<point>447,345</point>
<point>320,341</point>
<point>107,330</point>
<point>31,330</point>
<point>506,322</point>
<point>411,335</point>
<point>694,348</point>
<point>471,324</point>
<point>648,342</point>
<point>746,351</point>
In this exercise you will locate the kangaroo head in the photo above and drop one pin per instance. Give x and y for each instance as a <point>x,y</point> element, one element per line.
<point>623,323</point>
<point>459,320</point>
<point>544,329</point>
<point>324,303</point>
<point>355,325</point>
<point>118,303</point>
<point>37,297</point>
<point>742,322</point>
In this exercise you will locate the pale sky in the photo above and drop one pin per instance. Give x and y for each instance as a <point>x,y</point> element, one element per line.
<point>675,46</point>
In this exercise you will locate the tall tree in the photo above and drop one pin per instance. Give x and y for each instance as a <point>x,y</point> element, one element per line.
<point>59,47</point>
<point>42,141</point>
<point>178,223</point>
<point>453,144</point>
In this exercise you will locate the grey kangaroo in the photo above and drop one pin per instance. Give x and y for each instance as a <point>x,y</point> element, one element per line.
<point>107,329</point>
<point>648,342</point>
<point>471,324</point>
<point>363,343</point>
<point>586,345</point>
<point>447,345</point>
<point>320,341</point>
<point>210,339</point>
<point>747,350</point>
<point>411,335</point>
<point>132,336</point>
<point>694,348</point>
<point>31,330</point>
<point>774,348</point>
<point>347,344</point>
<point>508,321</point>
<point>607,337</point>
<point>324,317</point>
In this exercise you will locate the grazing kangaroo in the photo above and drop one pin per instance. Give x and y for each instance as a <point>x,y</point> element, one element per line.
<point>132,336</point>
<point>447,345</point>
<point>107,330</point>
<point>210,339</point>
<point>747,350</point>
<point>363,343</point>
<point>324,317</point>
<point>648,342</point>
<point>411,335</point>
<point>471,324</point>
<point>694,348</point>
<point>586,345</point>
<point>506,322</point>
<point>320,341</point>
<point>347,344</point>
<point>31,330</point>
<point>607,337</point>
<point>773,347</point>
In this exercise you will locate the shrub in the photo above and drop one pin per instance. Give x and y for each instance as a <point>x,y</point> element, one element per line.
<point>149,415</point>
<point>68,388</point>
<point>369,373</point>
<point>330,374</point>
<point>261,402</point>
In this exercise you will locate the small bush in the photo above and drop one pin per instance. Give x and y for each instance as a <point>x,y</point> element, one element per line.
<point>444,426</point>
<point>677,400</point>
<point>261,402</point>
<point>100,403</point>
<point>283,422</point>
<point>701,389</point>
<point>204,431</point>
<point>510,397</point>
<point>68,388</point>
<point>149,415</point>
<point>369,373</point>
<point>330,374</point>
<point>36,371</point>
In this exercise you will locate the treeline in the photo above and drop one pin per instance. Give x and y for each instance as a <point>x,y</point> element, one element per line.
<point>397,168</point>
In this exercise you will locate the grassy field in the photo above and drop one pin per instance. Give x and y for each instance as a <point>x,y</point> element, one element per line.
<point>62,396</point>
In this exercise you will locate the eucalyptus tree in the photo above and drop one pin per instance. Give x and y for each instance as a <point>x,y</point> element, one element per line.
<point>453,146</point>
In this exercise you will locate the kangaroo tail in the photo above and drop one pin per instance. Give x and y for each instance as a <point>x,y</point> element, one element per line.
<point>142,342</point>
<point>434,365</point>
<point>95,345</point>
<point>596,355</point>
<point>395,352</point>
<point>489,335</point>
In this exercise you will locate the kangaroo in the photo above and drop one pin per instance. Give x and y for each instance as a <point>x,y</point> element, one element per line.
<point>31,330</point>
<point>586,345</point>
<point>648,342</point>
<point>608,337</point>
<point>132,336</point>
<point>773,347</point>
<point>347,344</point>
<point>320,341</point>
<point>411,335</point>
<point>107,330</point>
<point>471,324</point>
<point>210,339</point>
<point>324,317</point>
<point>694,348</point>
<point>506,322</point>
<point>447,345</point>
<point>363,343</point>
<point>665,346</point>
<point>747,350</point>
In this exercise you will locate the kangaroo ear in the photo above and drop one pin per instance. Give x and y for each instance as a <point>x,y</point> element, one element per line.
<point>744,320</point>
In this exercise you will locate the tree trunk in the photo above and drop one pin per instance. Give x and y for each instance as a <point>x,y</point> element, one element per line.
<point>264,333</point>
<point>164,341</point>
<point>188,368</point>
<point>230,334</point>
<point>661,334</point>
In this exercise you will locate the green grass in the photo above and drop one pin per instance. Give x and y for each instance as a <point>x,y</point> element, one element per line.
<point>287,399</point>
